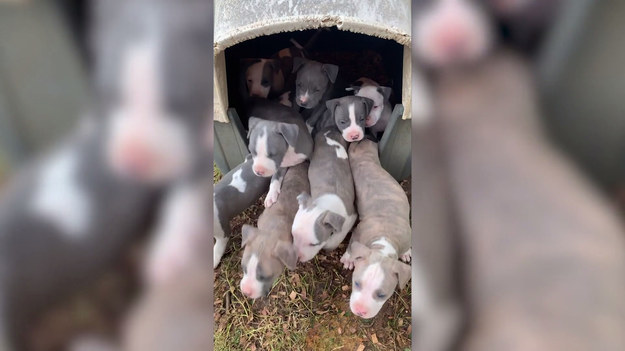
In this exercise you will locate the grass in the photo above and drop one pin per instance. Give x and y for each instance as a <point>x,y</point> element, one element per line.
<point>307,309</point>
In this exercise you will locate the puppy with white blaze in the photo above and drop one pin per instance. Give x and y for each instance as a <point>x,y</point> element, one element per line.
<point>382,236</point>
<point>349,114</point>
<point>381,110</point>
<point>323,221</point>
<point>269,248</point>
<point>278,138</point>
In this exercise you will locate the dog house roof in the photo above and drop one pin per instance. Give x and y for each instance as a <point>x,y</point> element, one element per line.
<point>240,20</point>
<point>237,21</point>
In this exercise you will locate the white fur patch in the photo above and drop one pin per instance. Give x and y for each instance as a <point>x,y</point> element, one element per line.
<point>361,301</point>
<point>262,160</point>
<point>340,150</point>
<point>387,249</point>
<point>59,198</point>
<point>371,92</point>
<point>291,158</point>
<point>353,127</point>
<point>250,286</point>
<point>238,182</point>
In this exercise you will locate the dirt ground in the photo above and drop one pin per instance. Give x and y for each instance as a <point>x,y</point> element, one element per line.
<point>307,309</point>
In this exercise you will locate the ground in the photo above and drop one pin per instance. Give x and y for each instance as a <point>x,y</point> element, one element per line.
<point>308,309</point>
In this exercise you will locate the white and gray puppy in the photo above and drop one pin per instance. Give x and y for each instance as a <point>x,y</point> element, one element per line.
<point>278,138</point>
<point>269,248</point>
<point>381,110</point>
<point>382,236</point>
<point>349,114</point>
<point>234,193</point>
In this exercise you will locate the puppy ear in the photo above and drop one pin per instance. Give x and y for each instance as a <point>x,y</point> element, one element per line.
<point>368,103</point>
<point>355,86</point>
<point>402,271</point>
<point>303,199</point>
<point>252,122</point>
<point>289,131</point>
<point>331,70</point>
<point>385,91</point>
<point>247,233</point>
<point>274,64</point>
<point>331,105</point>
<point>333,220</point>
<point>285,252</point>
<point>298,62</point>
<point>359,251</point>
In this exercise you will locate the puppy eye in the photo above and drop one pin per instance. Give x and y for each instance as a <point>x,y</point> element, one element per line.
<point>375,106</point>
<point>314,244</point>
<point>343,122</point>
<point>299,85</point>
<point>357,285</point>
<point>380,295</point>
<point>315,90</point>
<point>264,82</point>
<point>249,81</point>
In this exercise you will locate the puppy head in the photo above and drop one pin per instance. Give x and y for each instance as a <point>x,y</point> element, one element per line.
<point>312,227</point>
<point>375,92</point>
<point>259,75</point>
<point>374,280</point>
<point>451,32</point>
<point>313,80</point>
<point>350,114</point>
<point>268,144</point>
<point>263,261</point>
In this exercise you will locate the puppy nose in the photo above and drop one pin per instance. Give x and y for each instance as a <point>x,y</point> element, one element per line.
<point>303,99</point>
<point>359,310</point>
<point>135,159</point>
<point>260,171</point>
<point>354,136</point>
<point>454,41</point>
<point>246,290</point>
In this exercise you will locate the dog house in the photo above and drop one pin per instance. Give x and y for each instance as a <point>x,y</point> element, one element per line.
<point>364,38</point>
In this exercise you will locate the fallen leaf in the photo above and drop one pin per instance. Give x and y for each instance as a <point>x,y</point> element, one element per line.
<point>253,348</point>
<point>345,287</point>
<point>321,312</point>
<point>400,322</point>
<point>361,347</point>
<point>374,338</point>
<point>340,331</point>
<point>293,295</point>
<point>303,294</point>
<point>409,330</point>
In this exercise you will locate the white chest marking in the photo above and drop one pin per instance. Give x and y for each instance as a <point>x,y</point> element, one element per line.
<point>387,248</point>
<point>59,198</point>
<point>291,158</point>
<point>238,182</point>
<point>340,150</point>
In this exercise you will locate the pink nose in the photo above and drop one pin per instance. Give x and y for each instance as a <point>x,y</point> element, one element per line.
<point>260,170</point>
<point>246,290</point>
<point>359,310</point>
<point>303,99</point>
<point>135,159</point>
<point>453,40</point>
<point>354,136</point>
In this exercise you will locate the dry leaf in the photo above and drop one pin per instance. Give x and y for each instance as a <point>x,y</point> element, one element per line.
<point>340,331</point>
<point>293,295</point>
<point>253,348</point>
<point>361,347</point>
<point>374,338</point>
<point>345,287</point>
<point>400,322</point>
<point>409,330</point>
<point>303,294</point>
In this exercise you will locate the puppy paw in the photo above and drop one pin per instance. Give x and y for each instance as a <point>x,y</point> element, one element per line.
<point>406,256</point>
<point>347,261</point>
<point>272,197</point>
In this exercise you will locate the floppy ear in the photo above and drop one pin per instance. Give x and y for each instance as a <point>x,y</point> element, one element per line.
<point>303,199</point>
<point>289,131</point>
<point>246,62</point>
<point>298,62</point>
<point>358,251</point>
<point>368,104</point>
<point>331,105</point>
<point>332,221</point>
<point>402,271</point>
<point>247,233</point>
<point>385,91</point>
<point>274,64</point>
<point>251,124</point>
<point>285,252</point>
<point>331,70</point>
<point>355,86</point>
